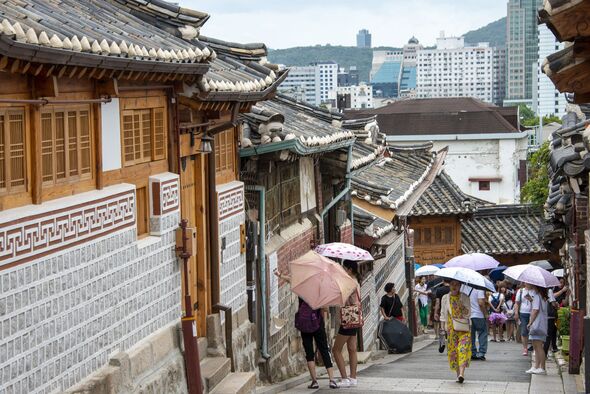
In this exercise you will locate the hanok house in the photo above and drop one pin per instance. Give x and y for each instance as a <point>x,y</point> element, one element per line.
<point>295,166</point>
<point>385,187</point>
<point>566,207</point>
<point>102,105</point>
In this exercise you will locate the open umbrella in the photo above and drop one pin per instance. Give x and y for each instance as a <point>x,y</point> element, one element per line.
<point>426,270</point>
<point>474,261</point>
<point>466,276</point>
<point>439,265</point>
<point>559,273</point>
<point>396,336</point>
<point>532,274</point>
<point>546,265</point>
<point>320,281</point>
<point>343,251</point>
<point>497,273</point>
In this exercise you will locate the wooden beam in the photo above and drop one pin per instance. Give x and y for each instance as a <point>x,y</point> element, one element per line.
<point>62,71</point>
<point>82,72</point>
<point>25,68</point>
<point>36,170</point>
<point>97,122</point>
<point>46,87</point>
<point>109,87</point>
<point>3,62</point>
<point>38,70</point>
<point>15,66</point>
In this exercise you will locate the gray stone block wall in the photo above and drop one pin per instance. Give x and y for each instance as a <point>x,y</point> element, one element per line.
<point>62,316</point>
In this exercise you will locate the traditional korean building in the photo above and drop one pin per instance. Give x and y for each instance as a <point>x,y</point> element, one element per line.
<point>295,164</point>
<point>108,112</point>
<point>566,230</point>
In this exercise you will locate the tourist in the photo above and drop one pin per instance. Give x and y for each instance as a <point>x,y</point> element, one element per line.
<point>522,314</point>
<point>552,307</point>
<point>509,312</point>
<point>479,326</point>
<point>347,336</point>
<point>422,291</point>
<point>439,293</point>
<point>391,305</point>
<point>562,293</point>
<point>537,327</point>
<point>310,323</point>
<point>455,316</point>
<point>497,317</point>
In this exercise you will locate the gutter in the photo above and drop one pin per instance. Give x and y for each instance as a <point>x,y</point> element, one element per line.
<point>457,137</point>
<point>295,146</point>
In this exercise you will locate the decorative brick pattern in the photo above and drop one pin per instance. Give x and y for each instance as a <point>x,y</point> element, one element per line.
<point>164,198</point>
<point>34,236</point>
<point>63,315</point>
<point>233,262</point>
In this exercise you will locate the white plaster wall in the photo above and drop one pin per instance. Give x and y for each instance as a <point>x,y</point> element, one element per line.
<point>307,184</point>
<point>111,135</point>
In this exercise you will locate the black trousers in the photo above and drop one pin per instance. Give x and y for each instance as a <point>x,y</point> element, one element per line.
<point>551,340</point>
<point>321,342</point>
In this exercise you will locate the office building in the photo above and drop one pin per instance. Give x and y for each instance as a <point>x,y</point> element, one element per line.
<point>314,84</point>
<point>522,46</point>
<point>355,97</point>
<point>546,99</point>
<point>363,39</point>
<point>348,77</point>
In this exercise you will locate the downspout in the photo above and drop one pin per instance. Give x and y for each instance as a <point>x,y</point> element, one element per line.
<point>213,226</point>
<point>346,189</point>
<point>263,326</point>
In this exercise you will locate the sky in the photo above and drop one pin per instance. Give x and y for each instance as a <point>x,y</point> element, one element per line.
<point>285,24</point>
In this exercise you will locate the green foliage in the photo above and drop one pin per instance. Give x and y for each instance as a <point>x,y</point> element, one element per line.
<point>536,190</point>
<point>563,321</point>
<point>494,33</point>
<point>529,119</point>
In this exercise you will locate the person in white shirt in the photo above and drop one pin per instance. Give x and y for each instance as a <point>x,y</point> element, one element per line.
<point>479,325</point>
<point>423,292</point>
<point>537,327</point>
<point>522,314</point>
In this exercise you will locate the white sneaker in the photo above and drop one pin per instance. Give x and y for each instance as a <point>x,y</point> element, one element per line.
<point>344,383</point>
<point>540,371</point>
<point>353,382</point>
<point>531,371</point>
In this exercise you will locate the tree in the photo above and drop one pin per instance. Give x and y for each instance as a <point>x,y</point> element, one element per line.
<point>536,190</point>
<point>529,119</point>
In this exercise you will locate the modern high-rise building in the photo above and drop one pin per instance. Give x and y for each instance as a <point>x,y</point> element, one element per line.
<point>546,99</point>
<point>522,48</point>
<point>363,39</point>
<point>314,84</point>
<point>453,69</point>
<point>355,97</point>
<point>348,77</point>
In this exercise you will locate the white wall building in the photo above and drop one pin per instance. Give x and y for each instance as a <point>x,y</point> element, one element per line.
<point>546,99</point>
<point>312,84</point>
<point>456,70</point>
<point>356,96</point>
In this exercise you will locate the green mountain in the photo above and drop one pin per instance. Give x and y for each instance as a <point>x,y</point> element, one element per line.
<point>494,33</point>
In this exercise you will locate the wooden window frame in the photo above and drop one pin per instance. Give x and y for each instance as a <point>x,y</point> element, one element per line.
<point>142,212</point>
<point>484,186</point>
<point>10,190</point>
<point>157,152</point>
<point>225,156</point>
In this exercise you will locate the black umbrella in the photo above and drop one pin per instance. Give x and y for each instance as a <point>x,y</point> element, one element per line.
<point>396,336</point>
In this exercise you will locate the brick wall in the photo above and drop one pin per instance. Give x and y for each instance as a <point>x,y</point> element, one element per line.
<point>346,232</point>
<point>83,287</point>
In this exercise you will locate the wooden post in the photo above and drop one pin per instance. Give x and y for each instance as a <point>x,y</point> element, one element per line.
<point>36,170</point>
<point>97,122</point>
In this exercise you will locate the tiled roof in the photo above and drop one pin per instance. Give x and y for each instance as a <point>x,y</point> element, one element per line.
<point>441,116</point>
<point>371,225</point>
<point>503,229</point>
<point>444,197</point>
<point>389,181</point>
<point>279,121</point>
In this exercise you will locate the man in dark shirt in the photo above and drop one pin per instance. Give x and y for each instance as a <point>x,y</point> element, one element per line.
<point>391,305</point>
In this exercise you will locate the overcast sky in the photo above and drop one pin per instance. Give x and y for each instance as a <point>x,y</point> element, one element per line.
<point>284,23</point>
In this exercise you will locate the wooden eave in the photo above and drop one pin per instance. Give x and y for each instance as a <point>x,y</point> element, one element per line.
<point>566,19</point>
<point>569,69</point>
<point>242,96</point>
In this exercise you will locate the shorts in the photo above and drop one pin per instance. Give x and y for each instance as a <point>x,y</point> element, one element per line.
<point>524,322</point>
<point>537,338</point>
<point>349,332</point>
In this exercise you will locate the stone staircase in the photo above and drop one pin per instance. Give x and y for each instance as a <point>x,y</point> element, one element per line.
<point>217,375</point>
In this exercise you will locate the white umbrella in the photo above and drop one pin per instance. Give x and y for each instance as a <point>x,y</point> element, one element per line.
<point>466,276</point>
<point>474,261</point>
<point>427,270</point>
<point>546,265</point>
<point>532,274</point>
<point>559,273</point>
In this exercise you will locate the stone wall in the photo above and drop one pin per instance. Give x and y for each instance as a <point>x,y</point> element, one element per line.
<point>77,285</point>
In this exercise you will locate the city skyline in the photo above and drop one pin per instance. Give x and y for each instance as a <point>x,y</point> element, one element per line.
<point>297,24</point>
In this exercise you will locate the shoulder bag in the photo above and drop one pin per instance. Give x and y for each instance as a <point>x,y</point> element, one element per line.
<point>351,316</point>
<point>539,325</point>
<point>459,324</point>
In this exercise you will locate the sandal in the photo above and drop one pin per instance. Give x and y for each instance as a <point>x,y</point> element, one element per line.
<point>333,384</point>
<point>460,379</point>
<point>314,385</point>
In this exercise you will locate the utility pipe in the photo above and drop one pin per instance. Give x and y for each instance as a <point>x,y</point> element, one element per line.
<point>262,267</point>
<point>346,189</point>
<point>213,226</point>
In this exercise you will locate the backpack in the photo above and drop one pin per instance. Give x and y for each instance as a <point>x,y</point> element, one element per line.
<point>307,320</point>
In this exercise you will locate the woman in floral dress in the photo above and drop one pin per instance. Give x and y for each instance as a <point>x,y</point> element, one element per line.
<point>454,317</point>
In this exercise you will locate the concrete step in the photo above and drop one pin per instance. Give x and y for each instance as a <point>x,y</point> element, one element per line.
<point>214,370</point>
<point>237,383</point>
<point>203,344</point>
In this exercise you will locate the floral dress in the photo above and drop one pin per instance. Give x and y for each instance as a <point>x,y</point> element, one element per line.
<point>458,342</point>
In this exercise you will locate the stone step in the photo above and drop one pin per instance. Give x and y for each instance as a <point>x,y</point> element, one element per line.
<point>237,383</point>
<point>214,370</point>
<point>203,344</point>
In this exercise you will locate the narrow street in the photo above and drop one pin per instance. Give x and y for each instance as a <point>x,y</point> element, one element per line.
<point>427,371</point>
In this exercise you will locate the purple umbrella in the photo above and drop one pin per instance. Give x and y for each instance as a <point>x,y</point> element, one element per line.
<point>532,274</point>
<point>474,261</point>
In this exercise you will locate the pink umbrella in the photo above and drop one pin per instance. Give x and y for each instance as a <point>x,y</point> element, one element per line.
<point>320,281</point>
<point>339,250</point>
<point>532,274</point>
<point>474,261</point>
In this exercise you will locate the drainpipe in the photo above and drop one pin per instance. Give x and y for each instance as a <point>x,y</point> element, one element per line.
<point>346,189</point>
<point>263,325</point>
<point>213,226</point>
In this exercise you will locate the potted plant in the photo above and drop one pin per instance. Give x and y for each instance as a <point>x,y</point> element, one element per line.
<point>563,327</point>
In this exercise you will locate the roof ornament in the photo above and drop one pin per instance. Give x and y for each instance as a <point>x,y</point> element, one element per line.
<point>31,36</point>
<point>83,42</point>
<point>55,42</point>
<point>7,28</point>
<point>43,39</point>
<point>76,45</point>
<point>95,47</point>
<point>188,32</point>
<point>20,33</point>
<point>67,44</point>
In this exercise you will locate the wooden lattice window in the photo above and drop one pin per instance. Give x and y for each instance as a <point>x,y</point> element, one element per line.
<point>12,150</point>
<point>283,206</point>
<point>225,156</point>
<point>144,135</point>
